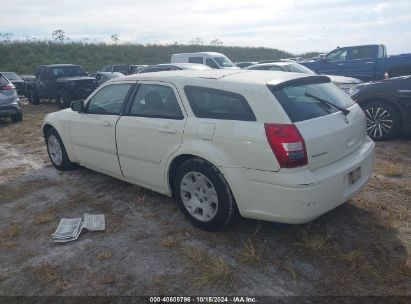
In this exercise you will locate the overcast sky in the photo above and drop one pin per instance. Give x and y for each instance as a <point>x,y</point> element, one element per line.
<point>292,25</point>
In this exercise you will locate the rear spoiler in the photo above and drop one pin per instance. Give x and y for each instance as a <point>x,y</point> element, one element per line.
<point>299,82</point>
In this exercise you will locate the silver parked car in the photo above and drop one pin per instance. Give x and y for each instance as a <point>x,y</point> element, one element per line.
<point>9,100</point>
<point>344,83</point>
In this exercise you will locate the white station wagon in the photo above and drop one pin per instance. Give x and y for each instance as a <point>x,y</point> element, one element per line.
<point>272,146</point>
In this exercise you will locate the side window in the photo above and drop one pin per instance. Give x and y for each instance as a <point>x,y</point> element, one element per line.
<point>98,76</point>
<point>337,55</point>
<point>218,104</point>
<point>109,99</point>
<point>157,101</point>
<point>195,60</point>
<point>362,52</point>
<point>211,63</point>
<point>276,68</point>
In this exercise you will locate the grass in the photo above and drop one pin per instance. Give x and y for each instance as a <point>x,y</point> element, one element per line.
<point>45,273</point>
<point>12,231</point>
<point>207,270</point>
<point>252,252</point>
<point>45,218</point>
<point>390,169</point>
<point>312,240</point>
<point>104,255</point>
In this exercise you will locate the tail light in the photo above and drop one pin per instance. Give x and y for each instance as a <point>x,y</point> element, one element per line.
<point>7,87</point>
<point>287,144</point>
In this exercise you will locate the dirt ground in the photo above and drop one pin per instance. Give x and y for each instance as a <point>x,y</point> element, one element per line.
<point>149,248</point>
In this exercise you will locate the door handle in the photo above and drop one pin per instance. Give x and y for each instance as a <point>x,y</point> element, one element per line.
<point>167,130</point>
<point>341,64</point>
<point>404,91</point>
<point>370,62</point>
<point>107,124</point>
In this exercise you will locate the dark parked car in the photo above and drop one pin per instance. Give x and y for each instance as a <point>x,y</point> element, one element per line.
<point>245,64</point>
<point>63,82</point>
<point>28,80</point>
<point>172,67</point>
<point>121,68</point>
<point>9,100</point>
<point>16,80</point>
<point>387,106</point>
<point>102,77</point>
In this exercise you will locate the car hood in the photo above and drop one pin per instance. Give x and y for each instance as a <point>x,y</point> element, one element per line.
<point>75,78</point>
<point>343,79</point>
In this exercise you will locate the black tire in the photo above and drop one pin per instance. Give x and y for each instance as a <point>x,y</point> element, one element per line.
<point>226,209</point>
<point>16,117</point>
<point>383,120</point>
<point>63,99</point>
<point>65,164</point>
<point>34,98</point>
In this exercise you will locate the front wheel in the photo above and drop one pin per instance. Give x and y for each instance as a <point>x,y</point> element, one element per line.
<point>63,99</point>
<point>383,120</point>
<point>57,152</point>
<point>204,195</point>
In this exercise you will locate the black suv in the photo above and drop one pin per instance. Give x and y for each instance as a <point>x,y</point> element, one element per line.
<point>387,106</point>
<point>63,82</point>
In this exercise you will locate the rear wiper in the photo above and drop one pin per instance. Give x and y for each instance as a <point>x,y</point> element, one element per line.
<point>344,111</point>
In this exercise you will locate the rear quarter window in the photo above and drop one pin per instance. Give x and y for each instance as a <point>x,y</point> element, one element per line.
<point>3,81</point>
<point>300,107</point>
<point>218,104</point>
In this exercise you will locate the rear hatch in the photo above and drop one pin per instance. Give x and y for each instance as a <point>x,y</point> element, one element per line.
<point>331,124</point>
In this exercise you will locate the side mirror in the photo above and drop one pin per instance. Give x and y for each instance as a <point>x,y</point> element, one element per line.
<point>77,106</point>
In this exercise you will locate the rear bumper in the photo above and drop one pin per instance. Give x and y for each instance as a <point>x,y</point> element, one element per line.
<point>9,109</point>
<point>300,196</point>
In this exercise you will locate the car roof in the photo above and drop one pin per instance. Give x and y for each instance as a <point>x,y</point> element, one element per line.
<point>277,63</point>
<point>57,65</point>
<point>240,76</point>
<point>184,65</point>
<point>201,53</point>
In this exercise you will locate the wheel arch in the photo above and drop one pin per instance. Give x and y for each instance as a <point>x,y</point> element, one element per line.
<point>49,125</point>
<point>176,160</point>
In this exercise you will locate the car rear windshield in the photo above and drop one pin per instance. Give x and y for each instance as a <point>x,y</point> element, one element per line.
<point>67,71</point>
<point>11,76</point>
<point>3,81</point>
<point>306,101</point>
<point>218,104</point>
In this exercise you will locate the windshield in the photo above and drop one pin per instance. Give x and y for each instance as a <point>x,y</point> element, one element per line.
<point>223,62</point>
<point>302,102</point>
<point>68,71</point>
<point>11,75</point>
<point>298,68</point>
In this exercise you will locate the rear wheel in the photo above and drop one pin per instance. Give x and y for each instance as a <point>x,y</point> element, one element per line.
<point>383,120</point>
<point>57,152</point>
<point>16,117</point>
<point>204,195</point>
<point>63,99</point>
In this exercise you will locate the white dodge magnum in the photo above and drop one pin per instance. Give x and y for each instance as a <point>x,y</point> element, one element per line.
<point>272,146</point>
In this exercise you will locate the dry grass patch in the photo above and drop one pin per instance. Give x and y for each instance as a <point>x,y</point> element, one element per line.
<point>390,169</point>
<point>12,231</point>
<point>46,273</point>
<point>45,218</point>
<point>314,241</point>
<point>208,270</point>
<point>104,255</point>
<point>169,242</point>
<point>252,253</point>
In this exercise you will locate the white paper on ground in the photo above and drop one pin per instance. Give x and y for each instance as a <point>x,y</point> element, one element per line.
<point>94,222</point>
